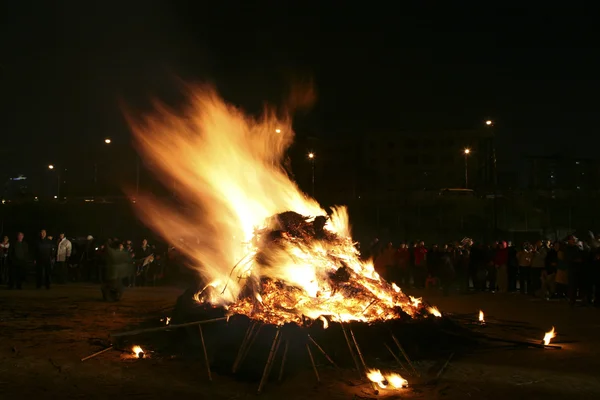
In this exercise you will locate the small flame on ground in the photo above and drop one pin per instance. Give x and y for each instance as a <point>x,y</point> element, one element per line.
<point>434,311</point>
<point>481,317</point>
<point>397,381</point>
<point>376,376</point>
<point>392,379</point>
<point>137,350</point>
<point>549,336</point>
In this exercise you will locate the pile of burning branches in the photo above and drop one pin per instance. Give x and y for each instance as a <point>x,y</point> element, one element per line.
<point>298,271</point>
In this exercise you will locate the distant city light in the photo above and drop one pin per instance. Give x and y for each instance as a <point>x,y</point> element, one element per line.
<point>311,155</point>
<point>107,141</point>
<point>467,151</point>
<point>489,122</point>
<point>50,166</point>
<point>56,197</point>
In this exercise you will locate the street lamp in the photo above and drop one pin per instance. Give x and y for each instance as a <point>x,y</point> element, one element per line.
<point>490,124</point>
<point>137,170</point>
<point>311,157</point>
<point>51,167</point>
<point>467,152</point>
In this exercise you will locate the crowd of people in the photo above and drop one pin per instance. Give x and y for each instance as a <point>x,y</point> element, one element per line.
<point>567,269</point>
<point>114,263</point>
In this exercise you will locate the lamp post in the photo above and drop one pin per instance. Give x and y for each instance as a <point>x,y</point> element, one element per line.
<point>51,167</point>
<point>490,125</point>
<point>467,152</point>
<point>311,157</point>
<point>137,169</point>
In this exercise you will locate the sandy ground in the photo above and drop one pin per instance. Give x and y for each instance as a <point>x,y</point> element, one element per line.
<point>44,335</point>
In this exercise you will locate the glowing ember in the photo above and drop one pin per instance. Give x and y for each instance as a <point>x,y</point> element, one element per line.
<point>549,336</point>
<point>434,311</point>
<point>481,317</point>
<point>394,380</point>
<point>137,350</point>
<point>269,251</point>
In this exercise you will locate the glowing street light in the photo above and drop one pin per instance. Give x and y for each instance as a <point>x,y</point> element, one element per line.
<point>311,157</point>
<point>107,141</point>
<point>50,166</point>
<point>466,152</point>
<point>489,122</point>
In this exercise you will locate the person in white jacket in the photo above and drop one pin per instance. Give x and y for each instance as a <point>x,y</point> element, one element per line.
<point>63,252</point>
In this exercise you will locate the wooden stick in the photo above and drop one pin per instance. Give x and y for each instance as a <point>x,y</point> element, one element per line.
<point>362,360</point>
<point>205,353</point>
<point>270,359</point>
<point>351,351</point>
<point>249,345</point>
<point>396,358</point>
<point>167,327</point>
<point>285,351</point>
<point>524,343</point>
<point>97,353</point>
<point>312,361</point>
<point>275,356</point>
<point>323,352</point>
<point>242,348</point>
<point>405,355</point>
<point>444,366</point>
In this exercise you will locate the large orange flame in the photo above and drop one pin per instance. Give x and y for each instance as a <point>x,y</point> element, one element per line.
<point>226,168</point>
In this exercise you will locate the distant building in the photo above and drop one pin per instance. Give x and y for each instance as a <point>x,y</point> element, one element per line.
<point>560,172</point>
<point>430,161</point>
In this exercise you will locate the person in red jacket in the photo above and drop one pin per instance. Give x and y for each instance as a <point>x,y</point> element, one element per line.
<point>401,273</point>
<point>501,262</point>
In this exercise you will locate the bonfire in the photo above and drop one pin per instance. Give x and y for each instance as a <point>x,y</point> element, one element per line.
<point>267,250</point>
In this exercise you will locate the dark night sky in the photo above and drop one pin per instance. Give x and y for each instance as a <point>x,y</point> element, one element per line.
<point>64,65</point>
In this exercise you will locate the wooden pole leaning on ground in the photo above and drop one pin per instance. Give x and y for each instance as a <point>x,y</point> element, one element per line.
<point>97,353</point>
<point>285,351</point>
<point>351,349</point>
<point>405,355</point>
<point>312,361</point>
<point>242,348</point>
<point>249,344</point>
<point>205,353</point>
<point>323,352</point>
<point>270,359</point>
<point>362,360</point>
<point>167,327</point>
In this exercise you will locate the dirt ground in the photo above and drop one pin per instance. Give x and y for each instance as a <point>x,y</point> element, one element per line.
<point>44,335</point>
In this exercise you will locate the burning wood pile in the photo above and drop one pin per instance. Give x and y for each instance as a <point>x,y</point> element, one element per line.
<point>322,278</point>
